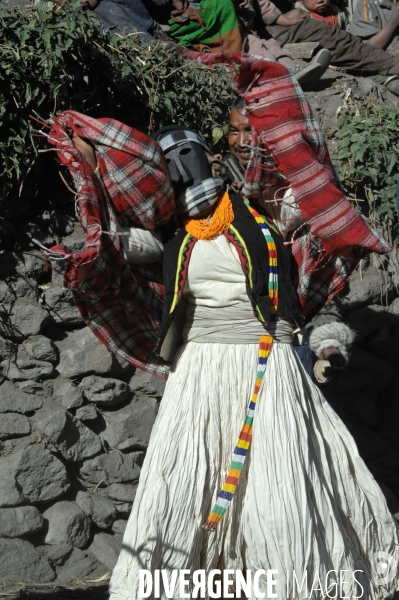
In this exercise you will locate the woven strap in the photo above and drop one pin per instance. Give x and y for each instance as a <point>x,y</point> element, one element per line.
<point>244,439</point>
<point>264,224</point>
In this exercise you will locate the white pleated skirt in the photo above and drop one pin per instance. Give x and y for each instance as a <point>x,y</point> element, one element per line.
<point>305,502</point>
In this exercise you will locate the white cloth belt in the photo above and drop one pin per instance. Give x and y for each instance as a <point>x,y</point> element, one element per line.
<point>234,324</point>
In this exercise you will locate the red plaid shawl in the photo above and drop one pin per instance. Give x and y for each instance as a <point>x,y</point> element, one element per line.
<point>122,306</point>
<point>335,237</point>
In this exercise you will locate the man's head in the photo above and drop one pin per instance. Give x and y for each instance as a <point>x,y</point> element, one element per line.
<point>189,162</point>
<point>240,134</point>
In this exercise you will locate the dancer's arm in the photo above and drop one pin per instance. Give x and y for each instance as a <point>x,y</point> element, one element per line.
<point>86,150</point>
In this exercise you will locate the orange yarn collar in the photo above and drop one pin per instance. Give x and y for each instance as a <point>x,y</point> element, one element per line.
<point>215,223</point>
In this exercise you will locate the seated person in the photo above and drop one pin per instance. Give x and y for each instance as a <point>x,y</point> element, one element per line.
<point>210,25</point>
<point>269,48</point>
<point>128,16</point>
<point>347,51</point>
<point>367,19</point>
<point>214,25</point>
<point>323,10</point>
<point>376,21</point>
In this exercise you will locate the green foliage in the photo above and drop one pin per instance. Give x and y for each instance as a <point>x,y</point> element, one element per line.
<point>368,158</point>
<point>60,58</point>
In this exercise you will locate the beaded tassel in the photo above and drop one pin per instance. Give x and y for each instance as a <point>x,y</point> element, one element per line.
<point>244,439</point>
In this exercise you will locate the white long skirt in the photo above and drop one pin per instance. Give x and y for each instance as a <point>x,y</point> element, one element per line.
<point>305,502</point>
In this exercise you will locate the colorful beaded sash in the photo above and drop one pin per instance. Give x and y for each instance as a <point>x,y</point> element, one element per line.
<point>244,439</point>
<point>264,224</point>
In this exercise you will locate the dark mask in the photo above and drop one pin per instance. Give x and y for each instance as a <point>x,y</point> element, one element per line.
<point>191,173</point>
<point>188,166</point>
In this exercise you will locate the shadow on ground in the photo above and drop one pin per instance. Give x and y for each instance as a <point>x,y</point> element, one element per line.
<point>77,591</point>
<point>94,593</point>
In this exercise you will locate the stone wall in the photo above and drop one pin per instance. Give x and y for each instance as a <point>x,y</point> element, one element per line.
<point>76,421</point>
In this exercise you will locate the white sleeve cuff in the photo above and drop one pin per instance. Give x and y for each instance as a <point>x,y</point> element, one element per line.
<point>332,335</point>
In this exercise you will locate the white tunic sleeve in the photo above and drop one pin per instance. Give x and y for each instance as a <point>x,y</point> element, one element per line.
<point>142,246</point>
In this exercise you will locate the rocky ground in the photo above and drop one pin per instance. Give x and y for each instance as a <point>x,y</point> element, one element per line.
<point>76,421</point>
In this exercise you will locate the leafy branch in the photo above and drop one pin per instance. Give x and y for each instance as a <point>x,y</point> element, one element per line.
<point>368,159</point>
<point>61,58</point>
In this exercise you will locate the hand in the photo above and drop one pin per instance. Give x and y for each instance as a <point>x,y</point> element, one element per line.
<point>292,18</point>
<point>171,45</point>
<point>336,359</point>
<point>86,150</point>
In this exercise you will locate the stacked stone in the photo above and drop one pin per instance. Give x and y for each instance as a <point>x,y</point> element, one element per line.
<point>75,421</point>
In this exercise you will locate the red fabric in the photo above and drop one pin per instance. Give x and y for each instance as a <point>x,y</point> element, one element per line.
<point>122,306</point>
<point>132,166</point>
<point>327,249</point>
<point>330,16</point>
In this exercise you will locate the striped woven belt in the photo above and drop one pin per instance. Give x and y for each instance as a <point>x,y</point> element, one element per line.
<point>240,453</point>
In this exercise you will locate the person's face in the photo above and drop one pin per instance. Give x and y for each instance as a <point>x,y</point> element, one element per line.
<point>317,6</point>
<point>178,4</point>
<point>240,136</point>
